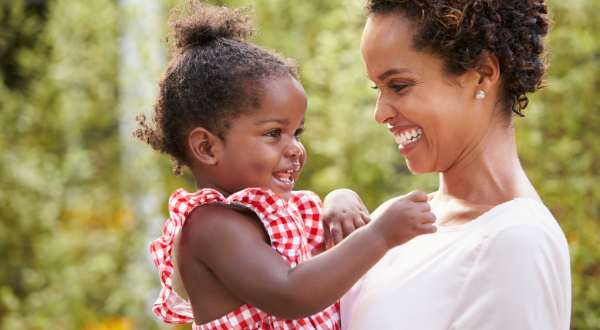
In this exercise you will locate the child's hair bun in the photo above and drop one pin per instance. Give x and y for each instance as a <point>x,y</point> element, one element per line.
<point>197,23</point>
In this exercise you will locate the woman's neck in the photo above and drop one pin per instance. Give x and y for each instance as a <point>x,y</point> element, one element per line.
<point>490,175</point>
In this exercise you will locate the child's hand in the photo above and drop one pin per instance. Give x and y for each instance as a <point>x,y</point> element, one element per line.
<point>403,218</point>
<point>343,213</point>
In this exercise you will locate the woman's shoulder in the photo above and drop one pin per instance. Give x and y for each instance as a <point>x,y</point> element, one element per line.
<point>523,225</point>
<point>520,276</point>
<point>522,212</point>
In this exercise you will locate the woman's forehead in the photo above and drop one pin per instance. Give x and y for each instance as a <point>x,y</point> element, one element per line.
<point>386,47</point>
<point>388,27</point>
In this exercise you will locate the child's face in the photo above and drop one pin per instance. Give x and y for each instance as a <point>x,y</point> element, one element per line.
<point>263,148</point>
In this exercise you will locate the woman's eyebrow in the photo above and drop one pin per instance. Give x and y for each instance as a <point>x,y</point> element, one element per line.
<point>276,120</point>
<point>391,72</point>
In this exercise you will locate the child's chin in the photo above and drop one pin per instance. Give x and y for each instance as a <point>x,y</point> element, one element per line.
<point>284,194</point>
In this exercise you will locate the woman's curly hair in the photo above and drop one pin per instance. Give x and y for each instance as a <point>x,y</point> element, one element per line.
<point>214,76</point>
<point>463,32</point>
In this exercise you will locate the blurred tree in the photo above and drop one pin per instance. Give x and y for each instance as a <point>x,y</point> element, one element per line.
<point>67,241</point>
<point>558,146</point>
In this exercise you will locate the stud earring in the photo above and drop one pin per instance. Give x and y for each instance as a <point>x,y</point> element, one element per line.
<point>480,95</point>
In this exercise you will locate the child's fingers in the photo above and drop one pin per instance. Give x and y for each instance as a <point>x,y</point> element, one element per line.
<point>337,234</point>
<point>366,218</point>
<point>428,229</point>
<point>327,237</point>
<point>428,218</point>
<point>348,227</point>
<point>361,220</point>
<point>358,222</point>
<point>425,207</point>
<point>417,196</point>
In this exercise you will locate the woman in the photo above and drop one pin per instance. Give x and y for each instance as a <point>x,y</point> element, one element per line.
<point>450,75</point>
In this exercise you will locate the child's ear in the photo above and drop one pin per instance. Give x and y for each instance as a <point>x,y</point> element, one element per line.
<point>204,145</point>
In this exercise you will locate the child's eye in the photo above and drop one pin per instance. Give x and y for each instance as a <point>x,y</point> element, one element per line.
<point>274,133</point>
<point>299,132</point>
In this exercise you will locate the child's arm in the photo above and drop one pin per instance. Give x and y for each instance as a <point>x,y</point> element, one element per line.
<point>226,242</point>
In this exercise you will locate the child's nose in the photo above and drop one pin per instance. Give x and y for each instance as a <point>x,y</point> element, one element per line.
<point>295,149</point>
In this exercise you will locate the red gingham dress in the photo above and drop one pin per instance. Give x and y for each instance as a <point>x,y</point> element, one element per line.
<point>295,230</point>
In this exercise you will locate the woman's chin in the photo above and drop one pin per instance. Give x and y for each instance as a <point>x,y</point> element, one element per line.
<point>418,167</point>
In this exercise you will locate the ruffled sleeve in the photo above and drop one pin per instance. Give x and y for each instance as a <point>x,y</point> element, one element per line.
<point>310,208</point>
<point>169,306</point>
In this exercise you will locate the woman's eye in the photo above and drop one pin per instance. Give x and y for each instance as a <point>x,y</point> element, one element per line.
<point>274,133</point>
<point>397,88</point>
<point>375,87</point>
<point>299,132</point>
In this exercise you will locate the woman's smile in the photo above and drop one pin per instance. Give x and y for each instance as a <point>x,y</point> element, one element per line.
<point>407,137</point>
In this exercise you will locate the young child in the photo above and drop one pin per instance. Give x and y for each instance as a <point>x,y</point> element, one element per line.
<point>233,112</point>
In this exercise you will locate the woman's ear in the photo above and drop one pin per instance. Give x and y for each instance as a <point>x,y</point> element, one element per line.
<point>489,73</point>
<point>204,146</point>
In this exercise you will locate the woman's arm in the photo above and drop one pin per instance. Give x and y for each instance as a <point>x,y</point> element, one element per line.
<point>520,280</point>
<point>234,250</point>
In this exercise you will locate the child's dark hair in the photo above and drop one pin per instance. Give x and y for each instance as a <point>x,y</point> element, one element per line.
<point>214,76</point>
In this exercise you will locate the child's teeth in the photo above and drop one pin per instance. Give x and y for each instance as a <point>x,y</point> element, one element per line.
<point>284,180</point>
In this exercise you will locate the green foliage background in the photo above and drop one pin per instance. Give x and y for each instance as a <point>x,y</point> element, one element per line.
<point>73,245</point>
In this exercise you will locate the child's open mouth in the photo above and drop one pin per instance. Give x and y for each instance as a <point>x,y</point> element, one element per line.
<point>284,176</point>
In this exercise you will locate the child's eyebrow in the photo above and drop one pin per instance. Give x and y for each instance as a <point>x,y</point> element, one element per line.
<point>277,120</point>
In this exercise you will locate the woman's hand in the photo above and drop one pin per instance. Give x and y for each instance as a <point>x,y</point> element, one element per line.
<point>343,213</point>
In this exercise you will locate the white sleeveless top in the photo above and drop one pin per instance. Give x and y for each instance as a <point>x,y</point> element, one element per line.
<point>508,269</point>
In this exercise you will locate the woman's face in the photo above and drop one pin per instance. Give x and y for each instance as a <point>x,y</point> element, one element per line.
<point>436,119</point>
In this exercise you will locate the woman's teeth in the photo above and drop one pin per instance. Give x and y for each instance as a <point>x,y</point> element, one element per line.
<point>408,136</point>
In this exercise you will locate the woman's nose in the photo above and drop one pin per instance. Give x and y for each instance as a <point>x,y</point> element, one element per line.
<point>384,112</point>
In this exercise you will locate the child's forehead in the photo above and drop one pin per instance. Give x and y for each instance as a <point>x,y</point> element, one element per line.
<point>272,116</point>
<point>276,119</point>
<point>283,91</point>
<point>282,101</point>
